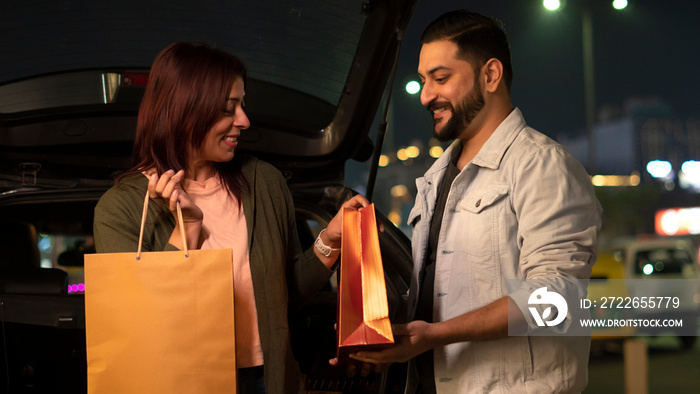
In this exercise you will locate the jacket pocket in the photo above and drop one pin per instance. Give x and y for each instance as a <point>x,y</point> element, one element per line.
<point>526,352</point>
<point>479,201</point>
<point>483,213</point>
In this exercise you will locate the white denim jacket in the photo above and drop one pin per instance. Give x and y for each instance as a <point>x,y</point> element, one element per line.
<point>523,208</point>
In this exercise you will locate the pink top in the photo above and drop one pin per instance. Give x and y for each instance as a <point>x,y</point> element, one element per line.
<point>224,226</point>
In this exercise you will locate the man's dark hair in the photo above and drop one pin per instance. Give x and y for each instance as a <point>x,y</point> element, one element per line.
<point>478,37</point>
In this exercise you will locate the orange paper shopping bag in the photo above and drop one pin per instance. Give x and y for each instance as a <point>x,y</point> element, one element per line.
<point>160,322</point>
<point>363,311</point>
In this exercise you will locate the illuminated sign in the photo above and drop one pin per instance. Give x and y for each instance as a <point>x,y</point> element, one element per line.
<point>678,221</point>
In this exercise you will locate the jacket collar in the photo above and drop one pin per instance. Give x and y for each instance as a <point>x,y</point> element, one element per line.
<point>491,154</point>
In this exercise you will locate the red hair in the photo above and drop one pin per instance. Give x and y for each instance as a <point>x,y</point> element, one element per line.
<point>185,95</point>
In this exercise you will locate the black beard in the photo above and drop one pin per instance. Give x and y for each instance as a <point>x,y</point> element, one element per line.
<point>462,116</point>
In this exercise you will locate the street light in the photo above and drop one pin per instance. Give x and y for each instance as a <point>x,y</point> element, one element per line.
<point>551,5</point>
<point>588,71</point>
<point>554,5</point>
<point>619,4</point>
<point>413,87</point>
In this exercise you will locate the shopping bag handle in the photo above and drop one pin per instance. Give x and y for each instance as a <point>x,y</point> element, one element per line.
<point>143,225</point>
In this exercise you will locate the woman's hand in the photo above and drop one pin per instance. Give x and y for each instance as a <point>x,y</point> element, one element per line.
<point>168,186</point>
<point>333,233</point>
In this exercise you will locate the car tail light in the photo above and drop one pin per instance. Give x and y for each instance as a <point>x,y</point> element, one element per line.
<point>135,78</point>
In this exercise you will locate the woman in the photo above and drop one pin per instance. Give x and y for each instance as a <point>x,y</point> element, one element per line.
<point>191,116</point>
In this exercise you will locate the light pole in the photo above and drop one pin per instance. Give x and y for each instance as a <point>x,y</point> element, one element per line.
<point>588,72</point>
<point>589,86</point>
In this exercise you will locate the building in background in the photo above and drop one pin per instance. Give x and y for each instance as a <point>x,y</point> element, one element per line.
<point>645,138</point>
<point>639,146</point>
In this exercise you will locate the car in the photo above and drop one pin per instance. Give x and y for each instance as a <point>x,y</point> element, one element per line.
<point>665,269</point>
<point>71,79</point>
<point>607,280</point>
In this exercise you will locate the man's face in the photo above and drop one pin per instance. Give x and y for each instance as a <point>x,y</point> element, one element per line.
<point>451,91</point>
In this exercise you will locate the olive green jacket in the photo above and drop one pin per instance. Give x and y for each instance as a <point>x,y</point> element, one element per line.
<point>283,275</point>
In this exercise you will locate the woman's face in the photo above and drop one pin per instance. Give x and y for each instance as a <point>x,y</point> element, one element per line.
<point>221,141</point>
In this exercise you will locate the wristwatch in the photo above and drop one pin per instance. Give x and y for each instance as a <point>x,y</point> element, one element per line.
<point>322,247</point>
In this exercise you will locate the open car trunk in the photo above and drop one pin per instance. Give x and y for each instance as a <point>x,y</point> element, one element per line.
<point>71,79</point>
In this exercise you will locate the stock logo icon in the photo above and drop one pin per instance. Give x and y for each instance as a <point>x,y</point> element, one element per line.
<point>543,297</point>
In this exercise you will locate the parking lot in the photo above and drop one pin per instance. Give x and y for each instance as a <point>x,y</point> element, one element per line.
<point>670,370</point>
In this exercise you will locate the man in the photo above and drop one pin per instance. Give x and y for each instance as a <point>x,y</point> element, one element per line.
<point>503,202</point>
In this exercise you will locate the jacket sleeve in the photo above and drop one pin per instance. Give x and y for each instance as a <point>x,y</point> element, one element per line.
<point>559,217</point>
<point>306,274</point>
<point>118,220</point>
<point>116,224</point>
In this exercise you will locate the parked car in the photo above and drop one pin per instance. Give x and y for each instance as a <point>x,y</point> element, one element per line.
<point>666,267</point>
<point>70,83</point>
<point>607,280</point>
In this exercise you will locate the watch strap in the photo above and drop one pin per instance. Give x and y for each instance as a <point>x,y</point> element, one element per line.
<point>322,247</point>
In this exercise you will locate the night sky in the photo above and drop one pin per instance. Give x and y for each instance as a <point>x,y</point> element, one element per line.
<point>648,50</point>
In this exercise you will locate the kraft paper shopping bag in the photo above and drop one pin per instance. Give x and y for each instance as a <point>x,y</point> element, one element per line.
<point>160,322</point>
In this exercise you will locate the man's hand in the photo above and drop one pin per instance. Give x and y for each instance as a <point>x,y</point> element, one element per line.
<point>352,367</point>
<point>410,340</point>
